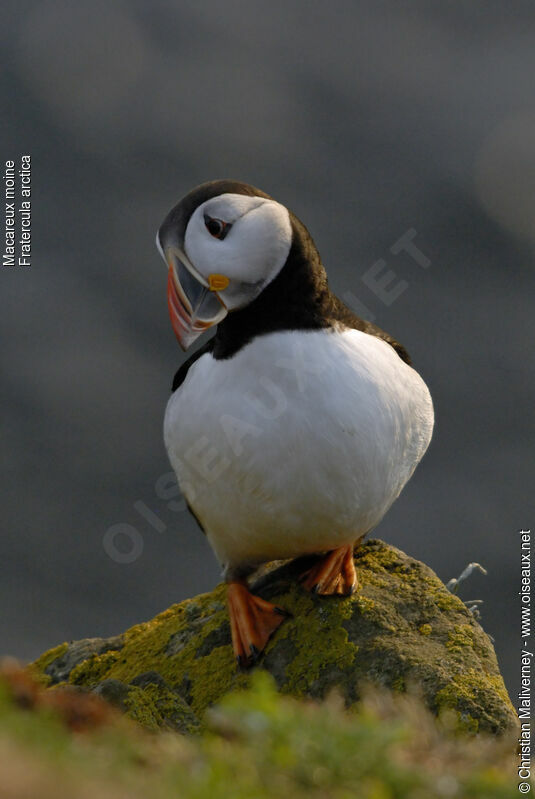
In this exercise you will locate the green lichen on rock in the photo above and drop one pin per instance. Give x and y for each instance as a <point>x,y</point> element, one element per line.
<point>41,665</point>
<point>471,688</point>
<point>462,636</point>
<point>402,630</point>
<point>156,706</point>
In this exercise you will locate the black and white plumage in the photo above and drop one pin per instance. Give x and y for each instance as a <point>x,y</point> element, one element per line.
<point>297,425</point>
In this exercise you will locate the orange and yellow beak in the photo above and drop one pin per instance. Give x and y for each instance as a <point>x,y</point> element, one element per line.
<point>193,302</point>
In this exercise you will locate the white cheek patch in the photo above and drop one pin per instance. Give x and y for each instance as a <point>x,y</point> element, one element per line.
<point>254,250</point>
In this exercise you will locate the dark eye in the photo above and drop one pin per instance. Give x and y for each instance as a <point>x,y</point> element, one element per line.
<point>216,227</point>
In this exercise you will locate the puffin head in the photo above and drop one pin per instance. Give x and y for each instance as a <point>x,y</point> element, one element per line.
<point>223,243</point>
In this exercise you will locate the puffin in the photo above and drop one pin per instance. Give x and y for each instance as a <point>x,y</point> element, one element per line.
<point>296,425</point>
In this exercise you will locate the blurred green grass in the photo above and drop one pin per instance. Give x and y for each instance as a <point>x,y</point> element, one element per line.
<point>258,745</point>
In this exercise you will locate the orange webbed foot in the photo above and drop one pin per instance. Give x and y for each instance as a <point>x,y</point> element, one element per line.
<point>334,573</point>
<point>252,622</point>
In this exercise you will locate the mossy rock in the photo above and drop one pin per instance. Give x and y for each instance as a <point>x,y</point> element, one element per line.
<point>401,630</point>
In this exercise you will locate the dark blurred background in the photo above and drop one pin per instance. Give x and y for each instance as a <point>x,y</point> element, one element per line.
<point>367,120</point>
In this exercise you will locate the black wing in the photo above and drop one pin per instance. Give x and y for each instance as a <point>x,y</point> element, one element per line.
<point>182,372</point>
<point>341,313</point>
<point>177,381</point>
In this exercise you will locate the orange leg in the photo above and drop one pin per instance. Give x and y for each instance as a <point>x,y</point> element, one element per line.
<point>252,622</point>
<point>334,573</point>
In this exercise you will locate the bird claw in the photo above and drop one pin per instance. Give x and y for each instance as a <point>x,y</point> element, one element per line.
<point>334,573</point>
<point>252,622</point>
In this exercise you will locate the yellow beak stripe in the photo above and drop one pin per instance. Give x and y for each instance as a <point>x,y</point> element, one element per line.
<point>217,282</point>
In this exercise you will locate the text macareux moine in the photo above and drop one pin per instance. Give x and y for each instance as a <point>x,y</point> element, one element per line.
<point>9,257</point>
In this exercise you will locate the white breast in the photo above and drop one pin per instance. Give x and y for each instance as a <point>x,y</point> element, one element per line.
<point>299,443</point>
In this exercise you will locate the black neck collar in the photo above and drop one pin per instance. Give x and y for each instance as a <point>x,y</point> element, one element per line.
<point>297,299</point>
